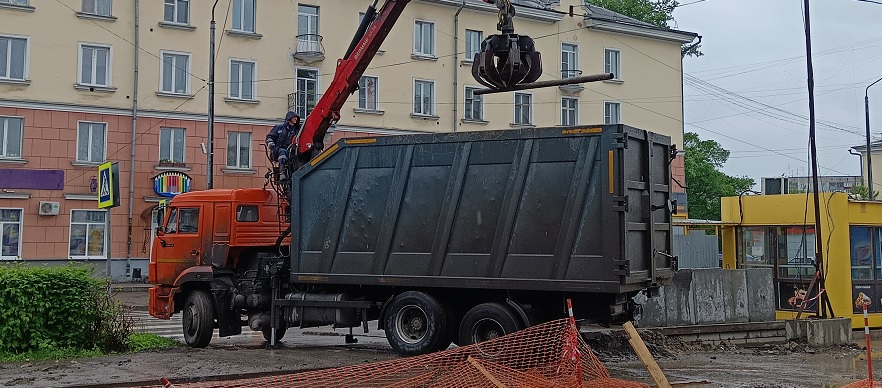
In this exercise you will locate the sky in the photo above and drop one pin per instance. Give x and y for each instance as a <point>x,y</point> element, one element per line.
<point>749,91</point>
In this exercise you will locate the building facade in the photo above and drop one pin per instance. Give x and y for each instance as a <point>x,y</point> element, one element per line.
<point>84,82</point>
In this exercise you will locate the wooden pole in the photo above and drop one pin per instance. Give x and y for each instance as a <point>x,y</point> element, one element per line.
<point>643,353</point>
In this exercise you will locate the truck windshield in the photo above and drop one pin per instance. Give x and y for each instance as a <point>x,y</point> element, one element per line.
<point>172,225</point>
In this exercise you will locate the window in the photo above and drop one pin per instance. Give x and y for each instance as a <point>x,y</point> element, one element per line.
<point>183,221</point>
<point>424,98</point>
<point>246,214</point>
<point>242,76</point>
<point>243,15</point>
<point>367,93</point>
<point>569,60</point>
<point>474,105</point>
<point>612,63</point>
<point>10,137</point>
<point>787,251</point>
<point>94,65</point>
<point>473,43</point>
<point>15,2</point>
<point>87,233</point>
<point>307,28</point>
<point>424,38</point>
<point>171,145</point>
<point>523,114</point>
<point>91,142</point>
<point>307,94</point>
<point>612,113</point>
<point>13,55</point>
<point>10,230</point>
<point>177,11</point>
<point>569,111</point>
<point>97,7</point>
<point>239,150</point>
<point>175,73</point>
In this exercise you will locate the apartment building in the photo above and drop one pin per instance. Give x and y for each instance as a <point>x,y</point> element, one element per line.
<point>88,81</point>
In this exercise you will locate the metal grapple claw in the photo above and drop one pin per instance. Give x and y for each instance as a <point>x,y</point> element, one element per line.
<point>507,60</point>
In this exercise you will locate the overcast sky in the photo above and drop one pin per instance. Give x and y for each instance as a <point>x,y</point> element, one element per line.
<point>749,92</point>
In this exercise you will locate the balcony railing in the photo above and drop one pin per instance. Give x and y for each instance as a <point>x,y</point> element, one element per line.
<point>303,103</point>
<point>572,88</point>
<point>309,48</point>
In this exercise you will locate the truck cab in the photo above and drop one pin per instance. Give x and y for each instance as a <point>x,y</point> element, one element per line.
<point>204,235</point>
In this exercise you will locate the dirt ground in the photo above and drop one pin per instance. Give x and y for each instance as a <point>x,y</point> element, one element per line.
<point>778,366</point>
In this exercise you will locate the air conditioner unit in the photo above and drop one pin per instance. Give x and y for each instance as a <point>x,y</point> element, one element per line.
<point>49,208</point>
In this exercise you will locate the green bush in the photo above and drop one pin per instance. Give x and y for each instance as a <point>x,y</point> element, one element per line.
<point>50,308</point>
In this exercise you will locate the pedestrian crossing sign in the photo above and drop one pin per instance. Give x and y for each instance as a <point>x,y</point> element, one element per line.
<point>108,185</point>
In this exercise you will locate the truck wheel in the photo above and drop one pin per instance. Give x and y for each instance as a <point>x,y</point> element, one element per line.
<point>280,331</point>
<point>487,321</point>
<point>198,319</point>
<point>415,323</point>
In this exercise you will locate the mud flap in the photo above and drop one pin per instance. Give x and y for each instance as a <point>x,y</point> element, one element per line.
<point>228,319</point>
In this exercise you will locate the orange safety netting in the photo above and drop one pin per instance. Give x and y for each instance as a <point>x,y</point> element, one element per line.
<point>546,355</point>
<point>866,383</point>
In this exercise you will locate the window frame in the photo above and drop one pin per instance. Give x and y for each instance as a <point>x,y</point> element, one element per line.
<point>20,223</point>
<point>242,20</point>
<point>471,51</point>
<point>569,70</point>
<point>376,104</point>
<point>95,7</point>
<point>86,255</point>
<point>431,84</point>
<point>237,165</point>
<point>104,146</point>
<point>25,73</point>
<point>108,64</point>
<point>317,95</point>
<point>187,72</point>
<point>566,111</point>
<point>4,137</point>
<point>27,3</point>
<point>607,63</point>
<point>417,50</point>
<point>606,112</point>
<point>240,84</point>
<point>176,9</point>
<point>517,105</point>
<point>171,158</point>
<point>479,99</point>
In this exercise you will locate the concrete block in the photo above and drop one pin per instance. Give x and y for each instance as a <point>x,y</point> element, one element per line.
<point>708,289</point>
<point>735,296</point>
<point>820,332</point>
<point>761,294</point>
<point>655,314</point>
<point>679,300</point>
<point>734,335</point>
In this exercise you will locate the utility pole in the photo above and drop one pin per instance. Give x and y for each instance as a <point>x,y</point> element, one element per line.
<point>209,174</point>
<point>869,149</point>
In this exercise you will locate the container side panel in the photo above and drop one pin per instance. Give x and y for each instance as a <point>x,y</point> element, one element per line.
<point>317,199</point>
<point>587,261</point>
<point>639,214</point>
<point>364,212</point>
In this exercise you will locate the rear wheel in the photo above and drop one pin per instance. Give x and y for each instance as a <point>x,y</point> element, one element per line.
<point>198,319</point>
<point>487,321</point>
<point>415,323</point>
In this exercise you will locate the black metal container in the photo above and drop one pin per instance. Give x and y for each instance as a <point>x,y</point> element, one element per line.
<point>575,209</point>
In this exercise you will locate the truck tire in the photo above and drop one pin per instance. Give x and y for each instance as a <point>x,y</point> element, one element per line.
<point>487,321</point>
<point>280,331</point>
<point>198,319</point>
<point>415,323</point>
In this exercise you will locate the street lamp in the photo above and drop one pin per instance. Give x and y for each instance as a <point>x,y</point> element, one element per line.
<point>209,176</point>
<point>869,150</point>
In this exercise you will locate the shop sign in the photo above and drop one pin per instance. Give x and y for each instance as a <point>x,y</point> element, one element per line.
<point>171,183</point>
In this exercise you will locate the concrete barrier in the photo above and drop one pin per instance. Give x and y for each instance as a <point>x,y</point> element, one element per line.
<point>820,332</point>
<point>709,296</point>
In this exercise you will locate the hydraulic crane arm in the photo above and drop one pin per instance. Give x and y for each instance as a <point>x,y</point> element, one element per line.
<point>349,71</point>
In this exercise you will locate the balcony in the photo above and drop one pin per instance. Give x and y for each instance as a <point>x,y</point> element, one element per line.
<point>302,103</point>
<point>309,48</point>
<point>573,88</point>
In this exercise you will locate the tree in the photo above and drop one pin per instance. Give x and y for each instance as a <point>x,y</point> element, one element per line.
<point>704,181</point>
<point>862,191</point>
<point>655,12</point>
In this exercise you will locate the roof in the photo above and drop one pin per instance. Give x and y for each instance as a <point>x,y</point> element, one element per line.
<point>876,146</point>
<point>603,19</point>
<point>242,195</point>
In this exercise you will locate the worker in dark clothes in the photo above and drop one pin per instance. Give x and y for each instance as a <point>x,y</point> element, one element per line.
<point>279,139</point>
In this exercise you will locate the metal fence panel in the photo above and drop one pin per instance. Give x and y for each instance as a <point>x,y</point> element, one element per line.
<point>697,251</point>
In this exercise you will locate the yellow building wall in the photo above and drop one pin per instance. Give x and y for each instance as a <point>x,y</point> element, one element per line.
<point>838,213</point>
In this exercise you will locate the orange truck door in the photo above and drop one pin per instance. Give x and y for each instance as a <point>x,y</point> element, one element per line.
<point>180,246</point>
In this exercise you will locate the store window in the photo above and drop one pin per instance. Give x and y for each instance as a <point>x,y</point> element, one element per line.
<point>789,252</point>
<point>87,234</point>
<point>10,232</point>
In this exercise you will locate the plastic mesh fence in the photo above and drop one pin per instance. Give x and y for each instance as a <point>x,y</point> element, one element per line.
<point>547,355</point>
<point>866,383</point>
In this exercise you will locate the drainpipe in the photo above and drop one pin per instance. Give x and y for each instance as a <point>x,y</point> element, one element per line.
<point>134,138</point>
<point>456,64</point>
